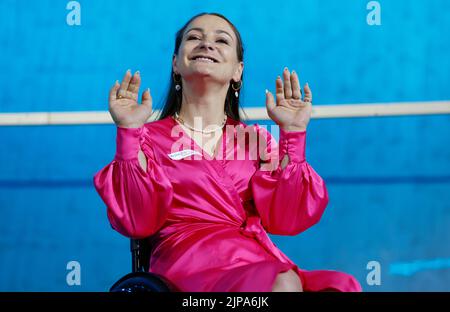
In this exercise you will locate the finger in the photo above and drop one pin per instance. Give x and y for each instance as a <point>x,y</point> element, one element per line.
<point>270,101</point>
<point>147,99</point>
<point>145,110</point>
<point>125,82</point>
<point>279,90</point>
<point>296,91</point>
<point>287,84</point>
<point>308,93</point>
<point>113,91</point>
<point>135,83</point>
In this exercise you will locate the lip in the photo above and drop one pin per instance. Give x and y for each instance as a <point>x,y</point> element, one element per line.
<point>205,56</point>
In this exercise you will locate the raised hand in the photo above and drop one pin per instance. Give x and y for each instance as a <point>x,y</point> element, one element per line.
<point>123,104</point>
<point>290,112</point>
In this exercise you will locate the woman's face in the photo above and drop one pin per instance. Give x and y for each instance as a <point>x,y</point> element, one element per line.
<point>211,37</point>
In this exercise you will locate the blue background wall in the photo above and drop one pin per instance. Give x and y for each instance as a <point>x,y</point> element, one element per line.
<point>388,178</point>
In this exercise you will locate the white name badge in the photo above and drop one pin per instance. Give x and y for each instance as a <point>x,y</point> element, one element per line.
<point>182,154</point>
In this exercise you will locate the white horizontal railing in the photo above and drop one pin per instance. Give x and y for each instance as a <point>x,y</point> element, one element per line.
<point>260,113</point>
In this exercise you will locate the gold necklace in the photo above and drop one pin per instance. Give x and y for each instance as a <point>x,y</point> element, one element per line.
<point>177,117</point>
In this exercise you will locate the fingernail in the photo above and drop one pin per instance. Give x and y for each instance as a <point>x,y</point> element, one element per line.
<point>293,71</point>
<point>148,90</point>
<point>267,91</point>
<point>307,84</point>
<point>285,68</point>
<point>117,81</point>
<point>137,72</point>
<point>129,71</point>
<point>278,77</point>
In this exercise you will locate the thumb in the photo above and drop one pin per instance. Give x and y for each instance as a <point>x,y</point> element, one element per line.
<point>113,91</point>
<point>147,100</point>
<point>270,101</point>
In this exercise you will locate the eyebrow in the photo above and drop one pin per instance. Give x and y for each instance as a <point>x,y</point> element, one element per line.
<point>217,31</point>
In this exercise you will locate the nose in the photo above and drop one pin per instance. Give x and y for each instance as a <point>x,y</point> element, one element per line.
<point>206,44</point>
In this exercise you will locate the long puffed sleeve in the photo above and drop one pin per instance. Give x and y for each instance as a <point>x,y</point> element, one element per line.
<point>137,201</point>
<point>292,199</point>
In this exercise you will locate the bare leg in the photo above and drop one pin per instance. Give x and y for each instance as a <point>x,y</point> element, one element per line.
<point>287,282</point>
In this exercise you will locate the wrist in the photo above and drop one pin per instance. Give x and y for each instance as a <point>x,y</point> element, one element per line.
<point>130,126</point>
<point>127,143</point>
<point>293,128</point>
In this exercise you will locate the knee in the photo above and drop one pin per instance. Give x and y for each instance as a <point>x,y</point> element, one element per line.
<point>287,281</point>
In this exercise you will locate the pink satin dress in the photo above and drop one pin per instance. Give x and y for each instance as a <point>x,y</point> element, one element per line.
<point>209,216</point>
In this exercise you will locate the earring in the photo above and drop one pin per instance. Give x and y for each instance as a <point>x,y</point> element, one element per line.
<point>236,94</point>
<point>177,82</point>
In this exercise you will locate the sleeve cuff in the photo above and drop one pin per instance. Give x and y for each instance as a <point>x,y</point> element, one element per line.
<point>293,144</point>
<point>128,143</point>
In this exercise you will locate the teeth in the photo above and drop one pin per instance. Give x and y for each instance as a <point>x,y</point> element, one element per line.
<point>204,59</point>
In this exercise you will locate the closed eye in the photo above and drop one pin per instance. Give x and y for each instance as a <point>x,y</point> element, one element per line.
<point>196,38</point>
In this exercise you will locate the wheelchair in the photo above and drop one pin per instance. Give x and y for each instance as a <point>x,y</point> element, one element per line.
<point>140,280</point>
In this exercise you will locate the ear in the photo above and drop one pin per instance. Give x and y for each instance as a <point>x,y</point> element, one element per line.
<point>174,63</point>
<point>238,72</point>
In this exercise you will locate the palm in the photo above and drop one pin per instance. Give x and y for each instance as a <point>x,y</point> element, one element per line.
<point>290,111</point>
<point>123,105</point>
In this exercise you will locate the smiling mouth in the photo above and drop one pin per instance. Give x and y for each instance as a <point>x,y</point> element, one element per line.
<point>204,59</point>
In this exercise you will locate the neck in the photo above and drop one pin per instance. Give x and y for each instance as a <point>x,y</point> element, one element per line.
<point>203,103</point>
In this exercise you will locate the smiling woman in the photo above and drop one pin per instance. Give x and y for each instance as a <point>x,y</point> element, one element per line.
<point>223,44</point>
<point>208,218</point>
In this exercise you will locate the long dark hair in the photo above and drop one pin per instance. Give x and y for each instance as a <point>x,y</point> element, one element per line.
<point>172,102</point>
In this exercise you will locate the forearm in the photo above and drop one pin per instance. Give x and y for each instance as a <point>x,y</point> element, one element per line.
<point>284,161</point>
<point>287,130</point>
<point>142,160</point>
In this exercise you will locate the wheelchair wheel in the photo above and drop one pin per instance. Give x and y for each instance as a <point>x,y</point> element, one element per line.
<point>139,282</point>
